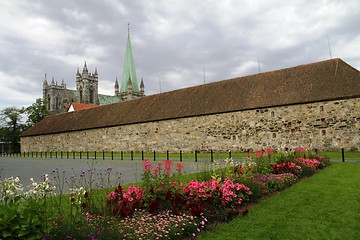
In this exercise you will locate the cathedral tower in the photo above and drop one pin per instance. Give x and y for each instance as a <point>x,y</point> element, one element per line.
<point>58,98</point>
<point>55,96</point>
<point>129,84</point>
<point>87,86</point>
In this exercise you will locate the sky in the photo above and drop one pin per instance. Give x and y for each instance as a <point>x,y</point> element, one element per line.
<point>176,44</point>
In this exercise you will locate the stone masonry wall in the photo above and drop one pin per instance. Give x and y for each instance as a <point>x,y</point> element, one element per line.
<point>323,125</point>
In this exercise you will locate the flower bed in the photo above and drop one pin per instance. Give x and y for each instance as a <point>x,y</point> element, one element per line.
<point>162,207</point>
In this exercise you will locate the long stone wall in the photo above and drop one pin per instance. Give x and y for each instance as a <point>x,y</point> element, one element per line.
<point>322,125</point>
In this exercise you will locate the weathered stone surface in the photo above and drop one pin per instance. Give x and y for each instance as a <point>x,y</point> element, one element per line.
<point>322,125</point>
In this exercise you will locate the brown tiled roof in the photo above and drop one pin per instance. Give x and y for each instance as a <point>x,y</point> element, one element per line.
<point>320,81</point>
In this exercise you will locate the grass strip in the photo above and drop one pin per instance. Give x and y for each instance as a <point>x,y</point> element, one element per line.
<point>350,155</point>
<point>325,206</point>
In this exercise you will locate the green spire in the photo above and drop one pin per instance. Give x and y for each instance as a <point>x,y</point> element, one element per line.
<point>129,69</point>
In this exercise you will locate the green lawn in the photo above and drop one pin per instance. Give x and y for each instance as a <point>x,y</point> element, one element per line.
<point>337,155</point>
<point>324,206</point>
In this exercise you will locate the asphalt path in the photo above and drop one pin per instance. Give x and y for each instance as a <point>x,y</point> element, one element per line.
<point>128,171</point>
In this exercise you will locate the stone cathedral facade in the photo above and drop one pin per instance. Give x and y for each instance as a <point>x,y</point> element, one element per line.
<point>58,97</point>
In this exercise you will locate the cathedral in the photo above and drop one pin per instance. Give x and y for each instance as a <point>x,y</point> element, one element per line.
<point>58,98</point>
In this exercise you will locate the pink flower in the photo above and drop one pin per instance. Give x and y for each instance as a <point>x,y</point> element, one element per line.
<point>300,149</point>
<point>168,166</point>
<point>179,167</point>
<point>147,165</point>
<point>258,153</point>
<point>156,172</point>
<point>111,195</point>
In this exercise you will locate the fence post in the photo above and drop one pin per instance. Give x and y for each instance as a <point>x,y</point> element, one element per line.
<point>56,154</point>
<point>343,154</point>
<point>316,151</point>
<point>80,155</point>
<point>67,154</point>
<point>45,154</point>
<point>167,154</point>
<point>112,155</point>
<point>61,155</point>
<point>87,154</point>
<point>180,156</point>
<point>196,156</point>
<point>41,154</point>
<point>154,155</point>
<point>142,155</point>
<point>73,154</point>
<point>103,154</point>
<point>132,155</point>
<point>122,155</point>
<point>212,155</point>
<point>229,153</point>
<point>95,154</point>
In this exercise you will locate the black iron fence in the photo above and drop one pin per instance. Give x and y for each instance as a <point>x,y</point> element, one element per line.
<point>154,155</point>
<point>124,155</point>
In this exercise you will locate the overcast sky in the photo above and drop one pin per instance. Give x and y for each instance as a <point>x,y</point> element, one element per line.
<point>174,42</point>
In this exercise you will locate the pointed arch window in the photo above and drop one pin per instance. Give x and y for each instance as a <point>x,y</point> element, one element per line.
<point>92,95</point>
<point>57,103</point>
<point>80,95</point>
<point>48,103</point>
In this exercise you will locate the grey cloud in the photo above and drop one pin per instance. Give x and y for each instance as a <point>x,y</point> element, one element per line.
<point>172,41</point>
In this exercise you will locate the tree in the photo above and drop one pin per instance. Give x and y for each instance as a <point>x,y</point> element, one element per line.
<point>12,126</point>
<point>36,112</point>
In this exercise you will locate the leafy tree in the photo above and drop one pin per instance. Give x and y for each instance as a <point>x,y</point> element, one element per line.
<point>12,126</point>
<point>36,112</point>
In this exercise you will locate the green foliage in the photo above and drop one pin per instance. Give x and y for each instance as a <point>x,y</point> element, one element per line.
<point>24,219</point>
<point>283,156</point>
<point>36,112</point>
<point>11,126</point>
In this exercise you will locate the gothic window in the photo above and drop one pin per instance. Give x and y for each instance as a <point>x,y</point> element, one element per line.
<point>274,135</point>
<point>81,95</point>
<point>321,108</point>
<point>57,104</point>
<point>91,95</point>
<point>323,132</point>
<point>48,103</point>
<point>272,113</point>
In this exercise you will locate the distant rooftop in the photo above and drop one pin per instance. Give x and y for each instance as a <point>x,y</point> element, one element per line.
<point>79,106</point>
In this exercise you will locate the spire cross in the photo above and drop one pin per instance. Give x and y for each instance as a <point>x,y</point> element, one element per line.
<point>128,28</point>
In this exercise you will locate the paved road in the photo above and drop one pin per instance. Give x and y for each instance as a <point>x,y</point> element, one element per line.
<point>26,168</point>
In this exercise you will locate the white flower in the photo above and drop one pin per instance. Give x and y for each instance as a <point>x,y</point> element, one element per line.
<point>42,189</point>
<point>77,194</point>
<point>10,188</point>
